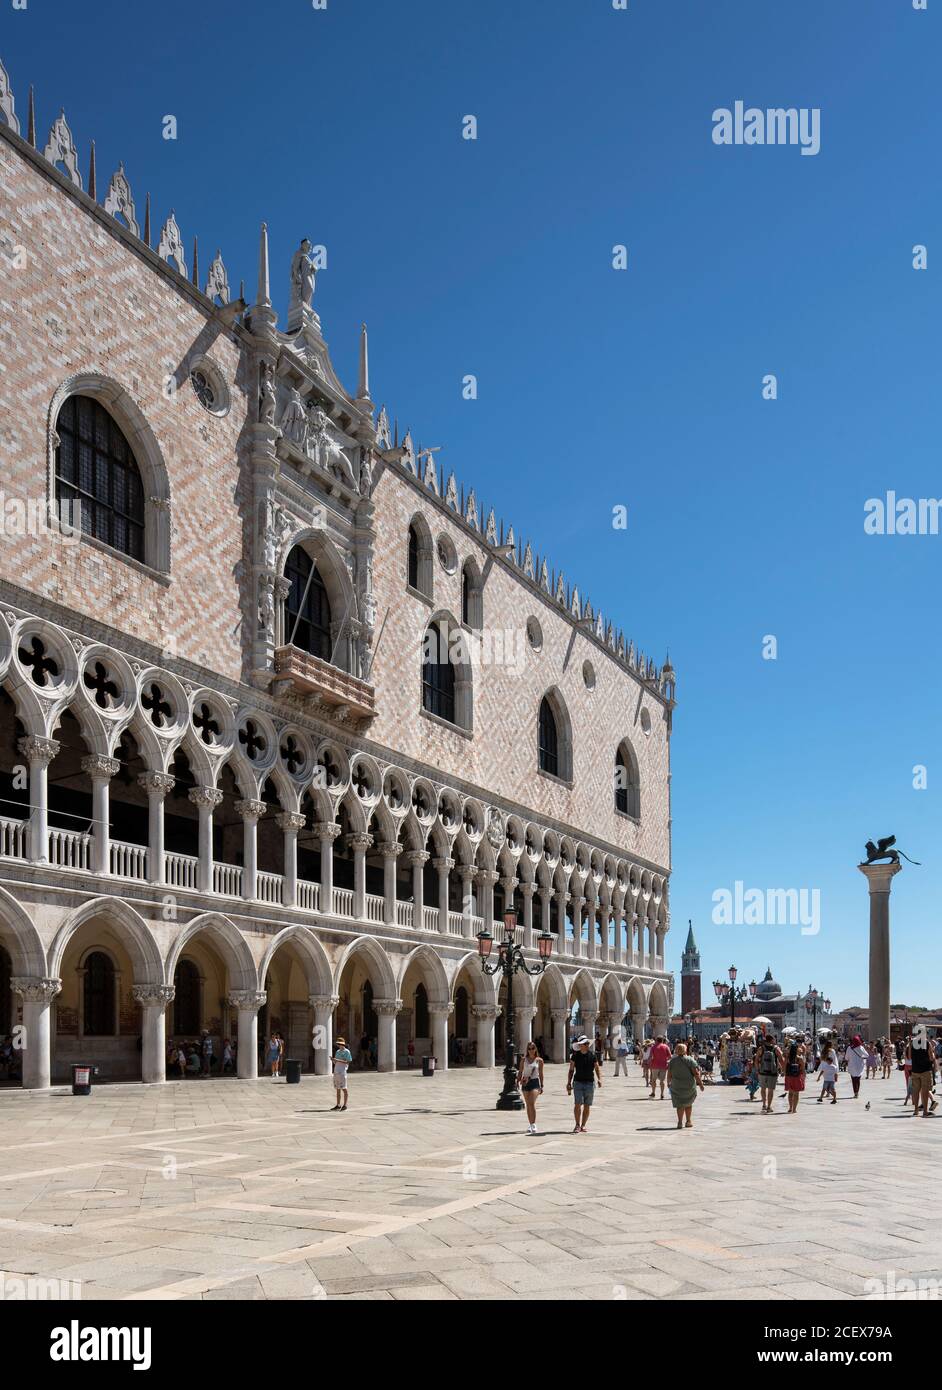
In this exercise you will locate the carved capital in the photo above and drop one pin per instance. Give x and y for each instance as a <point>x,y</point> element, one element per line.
<point>390,849</point>
<point>38,750</point>
<point>290,821</point>
<point>443,864</point>
<point>35,991</point>
<point>559,1015</point>
<point>387,1006</point>
<point>250,809</point>
<point>488,877</point>
<point>156,784</point>
<point>324,1001</point>
<point>441,1010</point>
<point>206,798</point>
<point>418,858</point>
<point>153,996</point>
<point>248,999</point>
<point>359,841</point>
<point>527,889</point>
<point>508,885</point>
<point>487,1012</point>
<point>100,768</point>
<point>326,830</point>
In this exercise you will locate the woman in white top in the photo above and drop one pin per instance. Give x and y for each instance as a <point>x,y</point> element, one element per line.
<point>530,1081</point>
<point>856,1061</point>
<point>646,1059</point>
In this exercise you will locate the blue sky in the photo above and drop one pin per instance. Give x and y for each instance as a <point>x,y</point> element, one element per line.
<point>599,388</point>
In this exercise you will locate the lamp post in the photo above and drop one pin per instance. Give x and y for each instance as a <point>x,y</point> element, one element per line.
<point>510,959</point>
<point>728,994</point>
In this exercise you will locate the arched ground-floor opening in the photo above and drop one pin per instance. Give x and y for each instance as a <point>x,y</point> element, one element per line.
<point>366,1010</point>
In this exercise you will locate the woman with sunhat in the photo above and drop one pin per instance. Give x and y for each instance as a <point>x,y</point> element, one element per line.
<point>342,1059</point>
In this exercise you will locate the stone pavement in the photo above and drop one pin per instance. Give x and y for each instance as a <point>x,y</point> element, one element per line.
<point>257,1190</point>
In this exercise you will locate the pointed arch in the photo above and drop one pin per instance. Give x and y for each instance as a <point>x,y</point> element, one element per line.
<point>141,942</point>
<point>446,672</point>
<point>377,958</point>
<point>554,736</point>
<point>433,973</point>
<point>419,557</point>
<point>21,939</point>
<point>316,963</point>
<point>583,987</point>
<point>627,781</point>
<point>232,945</point>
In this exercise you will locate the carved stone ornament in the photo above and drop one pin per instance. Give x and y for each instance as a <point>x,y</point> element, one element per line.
<point>495,829</point>
<point>294,422</point>
<point>61,146</point>
<point>383,437</point>
<point>7,109</point>
<point>217,281</point>
<point>119,200</point>
<point>35,991</point>
<point>252,999</point>
<point>153,996</point>
<point>170,246</point>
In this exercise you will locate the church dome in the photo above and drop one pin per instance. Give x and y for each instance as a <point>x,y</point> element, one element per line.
<point>769,988</point>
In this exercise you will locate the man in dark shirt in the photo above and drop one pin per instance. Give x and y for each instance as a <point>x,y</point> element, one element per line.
<point>584,1065</point>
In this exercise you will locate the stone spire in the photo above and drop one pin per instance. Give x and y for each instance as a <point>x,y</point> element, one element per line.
<point>363,387</point>
<point>92,180</point>
<point>263,293</point>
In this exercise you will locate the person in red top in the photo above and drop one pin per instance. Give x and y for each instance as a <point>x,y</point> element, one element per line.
<point>660,1059</point>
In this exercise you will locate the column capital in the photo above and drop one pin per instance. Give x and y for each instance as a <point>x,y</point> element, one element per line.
<point>390,849</point>
<point>509,885</point>
<point>525,1010</point>
<point>443,863</point>
<point>250,809</point>
<point>326,830</point>
<point>324,1001</point>
<point>153,996</point>
<point>290,821</point>
<point>156,784</point>
<point>250,1000</point>
<point>206,798</point>
<point>35,990</point>
<point>441,1010</point>
<point>558,1015</point>
<point>417,858</point>
<point>488,877</point>
<point>878,876</point>
<point>485,1011</point>
<point>359,841</point>
<point>467,872</point>
<point>527,889</point>
<point>387,1006</point>
<point>38,750</point>
<point>100,768</point>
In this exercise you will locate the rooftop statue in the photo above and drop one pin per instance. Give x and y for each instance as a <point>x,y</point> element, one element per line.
<point>882,850</point>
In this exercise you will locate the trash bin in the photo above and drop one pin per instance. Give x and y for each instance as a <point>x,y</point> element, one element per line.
<point>292,1071</point>
<point>82,1079</point>
<point>428,1066</point>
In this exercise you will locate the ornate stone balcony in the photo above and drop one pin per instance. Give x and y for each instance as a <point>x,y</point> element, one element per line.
<point>308,675</point>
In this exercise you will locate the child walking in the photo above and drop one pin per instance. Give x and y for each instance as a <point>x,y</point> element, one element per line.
<point>827,1072</point>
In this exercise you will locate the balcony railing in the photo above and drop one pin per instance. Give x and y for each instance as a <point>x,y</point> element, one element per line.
<point>375,908</point>
<point>269,888</point>
<point>14,839</point>
<point>343,902</point>
<point>227,879</point>
<point>309,675</point>
<point>309,895</point>
<point>68,849</point>
<point>403,914</point>
<point>181,870</point>
<point>430,918</point>
<point>129,861</point>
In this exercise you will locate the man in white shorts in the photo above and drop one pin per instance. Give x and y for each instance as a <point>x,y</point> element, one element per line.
<point>342,1059</point>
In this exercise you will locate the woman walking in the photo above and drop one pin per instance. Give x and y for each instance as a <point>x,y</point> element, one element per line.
<point>646,1060</point>
<point>274,1056</point>
<point>827,1072</point>
<point>795,1063</point>
<point>683,1078</point>
<point>342,1059</point>
<point>856,1057</point>
<point>530,1081</point>
<point>887,1059</point>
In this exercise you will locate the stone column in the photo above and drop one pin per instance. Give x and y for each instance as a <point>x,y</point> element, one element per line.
<point>157,785</point>
<point>323,1006</point>
<point>487,878</point>
<point>251,812</point>
<point>485,1016</point>
<point>618,908</point>
<point>205,799</point>
<point>523,1028</point>
<point>605,930</point>
<point>417,859</point>
<point>327,832</point>
<point>359,844</point>
<point>467,872</point>
<point>546,903</point>
<point>101,770</point>
<point>39,753</point>
<point>562,897</point>
<point>577,902</point>
<point>509,886</point>
<point>589,1020</point>
<point>290,822</point>
<point>591,899</point>
<point>153,1000</point>
<point>879,880</point>
<point>559,1017</point>
<point>248,1002</point>
<point>443,866</point>
<point>652,947</point>
<point>440,1014</point>
<point>390,851</point>
<point>37,996</point>
<point>527,891</point>
<point>638,1017</point>
<point>659,947</point>
<point>386,1010</point>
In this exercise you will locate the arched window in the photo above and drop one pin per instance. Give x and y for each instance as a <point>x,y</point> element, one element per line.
<point>548,739</point>
<point>307,607</point>
<point>461,1012</point>
<point>472,595</point>
<point>419,557</point>
<point>98,1016</point>
<point>413,559</point>
<point>438,674</point>
<point>97,476</point>
<point>627,782</point>
<point>465,596</point>
<point>421,1013</point>
<point>186,1000</point>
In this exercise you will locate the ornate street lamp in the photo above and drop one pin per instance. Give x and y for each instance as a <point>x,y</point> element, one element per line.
<point>728,994</point>
<point>811,1002</point>
<point>509,960</point>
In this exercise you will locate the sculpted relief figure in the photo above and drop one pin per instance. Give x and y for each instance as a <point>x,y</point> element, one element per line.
<point>294,420</point>
<point>303,276</point>
<point>266,395</point>
<point>326,451</point>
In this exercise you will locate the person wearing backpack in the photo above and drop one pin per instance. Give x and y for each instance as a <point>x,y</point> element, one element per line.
<point>621,1055</point>
<point>795,1063</point>
<point>769,1065</point>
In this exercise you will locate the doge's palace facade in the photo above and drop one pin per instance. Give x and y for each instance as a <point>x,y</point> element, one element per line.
<point>290,718</point>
